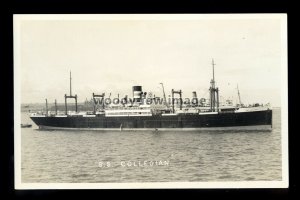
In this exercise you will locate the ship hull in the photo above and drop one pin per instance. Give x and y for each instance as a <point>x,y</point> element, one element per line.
<point>246,120</point>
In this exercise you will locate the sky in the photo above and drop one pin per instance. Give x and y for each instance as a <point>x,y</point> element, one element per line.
<point>111,56</point>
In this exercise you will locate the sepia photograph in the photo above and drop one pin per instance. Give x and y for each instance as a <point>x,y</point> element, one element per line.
<point>128,101</point>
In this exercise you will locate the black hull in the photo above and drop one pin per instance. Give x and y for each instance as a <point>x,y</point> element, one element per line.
<point>182,121</point>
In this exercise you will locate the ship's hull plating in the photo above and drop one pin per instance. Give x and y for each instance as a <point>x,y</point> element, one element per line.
<point>248,120</point>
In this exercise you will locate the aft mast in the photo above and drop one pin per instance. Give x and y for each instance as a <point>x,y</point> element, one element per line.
<point>239,95</point>
<point>214,92</point>
<point>70,97</point>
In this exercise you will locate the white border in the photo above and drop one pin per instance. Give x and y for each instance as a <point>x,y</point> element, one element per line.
<point>238,184</point>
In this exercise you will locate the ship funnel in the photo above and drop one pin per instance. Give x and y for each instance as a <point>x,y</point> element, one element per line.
<point>137,93</point>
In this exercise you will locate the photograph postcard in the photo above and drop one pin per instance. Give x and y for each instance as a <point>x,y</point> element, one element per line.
<point>129,101</point>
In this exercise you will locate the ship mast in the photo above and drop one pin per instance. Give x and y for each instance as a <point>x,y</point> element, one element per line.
<point>70,97</point>
<point>46,108</point>
<point>214,92</point>
<point>70,83</point>
<point>239,95</point>
<point>55,104</point>
<point>165,99</point>
<point>213,65</point>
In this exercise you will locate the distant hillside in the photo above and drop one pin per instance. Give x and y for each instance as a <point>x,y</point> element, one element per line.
<point>60,106</point>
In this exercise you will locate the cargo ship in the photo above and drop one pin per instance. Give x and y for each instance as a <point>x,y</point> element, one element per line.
<point>146,112</point>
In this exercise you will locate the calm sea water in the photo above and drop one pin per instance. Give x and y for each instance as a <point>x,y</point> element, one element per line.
<point>100,156</point>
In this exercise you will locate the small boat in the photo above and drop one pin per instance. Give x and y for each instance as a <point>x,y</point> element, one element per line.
<point>26,125</point>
